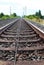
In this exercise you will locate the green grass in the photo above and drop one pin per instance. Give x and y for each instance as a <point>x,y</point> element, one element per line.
<point>40,21</point>
<point>8,17</point>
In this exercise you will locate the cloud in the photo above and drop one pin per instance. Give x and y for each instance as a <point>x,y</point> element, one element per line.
<point>18,6</point>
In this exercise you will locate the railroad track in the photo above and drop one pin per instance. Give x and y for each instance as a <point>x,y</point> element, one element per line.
<point>21,45</point>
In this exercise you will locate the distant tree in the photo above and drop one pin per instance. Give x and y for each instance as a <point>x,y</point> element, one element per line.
<point>1,15</point>
<point>38,14</point>
<point>14,14</point>
<point>42,17</point>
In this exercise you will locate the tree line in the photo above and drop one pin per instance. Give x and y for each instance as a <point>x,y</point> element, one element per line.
<point>36,15</point>
<point>3,16</point>
<point>39,14</point>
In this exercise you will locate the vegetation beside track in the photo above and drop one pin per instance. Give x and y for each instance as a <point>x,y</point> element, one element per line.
<point>3,16</point>
<point>37,17</point>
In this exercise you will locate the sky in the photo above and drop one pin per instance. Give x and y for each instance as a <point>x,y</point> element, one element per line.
<point>21,7</point>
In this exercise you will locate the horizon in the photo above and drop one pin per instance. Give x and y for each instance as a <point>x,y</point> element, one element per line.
<point>21,7</point>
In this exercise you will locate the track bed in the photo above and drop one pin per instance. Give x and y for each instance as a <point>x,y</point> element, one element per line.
<point>21,45</point>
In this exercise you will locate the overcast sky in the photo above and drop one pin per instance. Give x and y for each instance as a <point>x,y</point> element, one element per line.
<point>21,6</point>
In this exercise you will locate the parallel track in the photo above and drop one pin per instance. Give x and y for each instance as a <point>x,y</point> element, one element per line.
<point>21,45</point>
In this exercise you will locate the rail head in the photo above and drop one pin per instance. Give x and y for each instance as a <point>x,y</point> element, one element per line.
<point>7,25</point>
<point>36,27</point>
<point>38,30</point>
